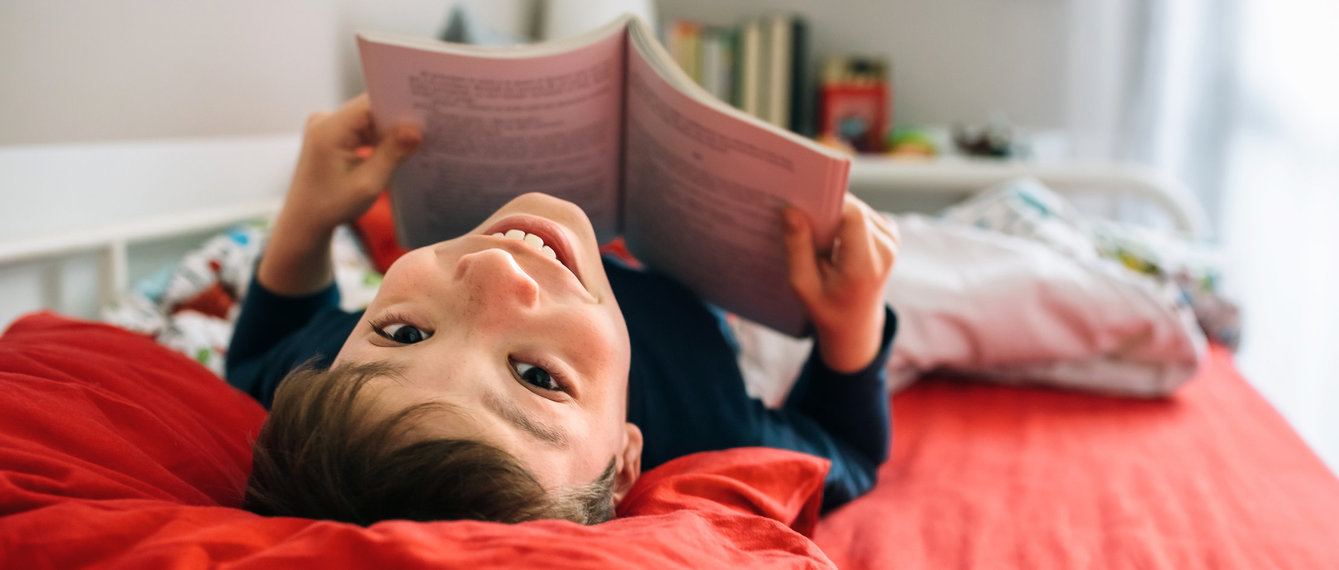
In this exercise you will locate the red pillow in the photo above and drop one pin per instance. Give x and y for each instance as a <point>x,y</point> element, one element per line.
<point>116,451</point>
<point>376,229</point>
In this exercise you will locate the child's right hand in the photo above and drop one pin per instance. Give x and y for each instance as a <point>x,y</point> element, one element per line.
<point>333,182</point>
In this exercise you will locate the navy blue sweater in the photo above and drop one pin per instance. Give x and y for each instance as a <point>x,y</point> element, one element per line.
<point>685,390</point>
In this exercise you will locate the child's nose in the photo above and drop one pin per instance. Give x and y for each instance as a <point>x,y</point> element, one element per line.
<point>494,276</point>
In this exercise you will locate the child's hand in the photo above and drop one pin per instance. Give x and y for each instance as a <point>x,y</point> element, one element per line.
<point>333,182</point>
<point>843,292</point>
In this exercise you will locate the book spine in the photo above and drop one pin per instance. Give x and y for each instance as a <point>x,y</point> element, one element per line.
<point>679,37</point>
<point>764,95</point>
<point>693,53</point>
<point>801,79</point>
<point>728,40</point>
<point>778,74</point>
<point>750,73</point>
<point>711,62</point>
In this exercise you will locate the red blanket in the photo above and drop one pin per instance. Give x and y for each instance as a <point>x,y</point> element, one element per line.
<point>986,476</point>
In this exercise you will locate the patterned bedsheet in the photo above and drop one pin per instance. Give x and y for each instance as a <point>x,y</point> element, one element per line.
<point>191,306</point>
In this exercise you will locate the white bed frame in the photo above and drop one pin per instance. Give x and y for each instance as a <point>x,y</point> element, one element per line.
<point>105,198</point>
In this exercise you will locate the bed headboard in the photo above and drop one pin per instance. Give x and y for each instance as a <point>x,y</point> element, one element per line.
<point>86,208</point>
<point>82,220</point>
<point>900,185</point>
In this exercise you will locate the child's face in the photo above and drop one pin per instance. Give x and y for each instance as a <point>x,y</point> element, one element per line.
<point>529,352</point>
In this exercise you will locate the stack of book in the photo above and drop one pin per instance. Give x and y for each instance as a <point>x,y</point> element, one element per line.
<point>761,66</point>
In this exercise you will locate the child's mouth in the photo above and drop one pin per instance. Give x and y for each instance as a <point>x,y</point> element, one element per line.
<point>539,233</point>
<point>530,239</point>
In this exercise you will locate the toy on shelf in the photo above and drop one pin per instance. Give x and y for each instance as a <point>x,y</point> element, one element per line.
<point>993,140</point>
<point>912,143</point>
<point>854,102</point>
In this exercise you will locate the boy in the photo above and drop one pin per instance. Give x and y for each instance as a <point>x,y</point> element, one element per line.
<point>497,376</point>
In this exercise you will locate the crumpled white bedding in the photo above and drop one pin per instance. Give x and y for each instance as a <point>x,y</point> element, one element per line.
<point>1010,287</point>
<point>191,306</point>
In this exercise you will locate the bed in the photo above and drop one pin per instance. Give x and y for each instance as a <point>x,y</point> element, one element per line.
<point>117,451</point>
<point>989,476</point>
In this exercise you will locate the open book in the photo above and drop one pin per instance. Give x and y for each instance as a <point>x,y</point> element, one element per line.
<point>606,120</point>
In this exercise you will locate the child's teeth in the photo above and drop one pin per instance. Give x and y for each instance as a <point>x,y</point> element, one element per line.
<point>530,239</point>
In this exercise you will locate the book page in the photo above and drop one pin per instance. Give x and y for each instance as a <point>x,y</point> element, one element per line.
<point>498,123</point>
<point>705,186</point>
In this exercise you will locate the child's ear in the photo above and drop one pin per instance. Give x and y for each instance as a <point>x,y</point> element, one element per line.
<point>628,463</point>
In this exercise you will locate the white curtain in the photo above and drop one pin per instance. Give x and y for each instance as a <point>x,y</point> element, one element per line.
<point>1240,100</point>
<point>1181,92</point>
<point>1280,218</point>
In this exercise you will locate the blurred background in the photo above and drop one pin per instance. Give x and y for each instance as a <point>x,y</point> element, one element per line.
<point>1237,99</point>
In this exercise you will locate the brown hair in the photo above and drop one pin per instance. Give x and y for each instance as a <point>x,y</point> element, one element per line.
<point>321,454</point>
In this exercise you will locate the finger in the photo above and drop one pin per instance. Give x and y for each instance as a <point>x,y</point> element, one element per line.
<point>350,125</point>
<point>885,224</point>
<point>886,252</point>
<point>312,137</point>
<point>356,112</point>
<point>316,118</point>
<point>875,217</point>
<point>885,233</point>
<point>886,240</point>
<point>854,234</point>
<point>391,150</point>
<point>801,259</point>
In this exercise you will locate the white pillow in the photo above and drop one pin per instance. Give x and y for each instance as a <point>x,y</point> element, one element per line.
<point>1011,309</point>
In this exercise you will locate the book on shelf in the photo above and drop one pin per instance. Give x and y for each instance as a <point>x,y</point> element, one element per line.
<point>609,121</point>
<point>776,71</point>
<point>706,54</point>
<point>803,104</point>
<point>761,66</point>
<point>749,86</point>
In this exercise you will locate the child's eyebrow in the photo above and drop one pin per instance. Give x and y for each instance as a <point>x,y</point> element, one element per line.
<point>541,431</point>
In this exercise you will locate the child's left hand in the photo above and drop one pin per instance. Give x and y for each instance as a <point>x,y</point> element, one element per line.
<point>843,291</point>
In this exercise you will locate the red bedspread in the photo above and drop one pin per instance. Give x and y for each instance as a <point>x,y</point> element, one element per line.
<point>986,476</point>
<point>117,452</point>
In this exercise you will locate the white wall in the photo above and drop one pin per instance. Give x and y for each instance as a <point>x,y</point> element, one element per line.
<point>110,110</point>
<point>92,70</point>
<point>84,70</point>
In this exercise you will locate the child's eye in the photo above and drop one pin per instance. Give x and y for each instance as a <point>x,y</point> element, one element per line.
<point>536,376</point>
<point>401,333</point>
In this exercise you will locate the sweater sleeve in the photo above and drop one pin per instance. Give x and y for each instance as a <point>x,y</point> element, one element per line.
<point>277,333</point>
<point>844,417</point>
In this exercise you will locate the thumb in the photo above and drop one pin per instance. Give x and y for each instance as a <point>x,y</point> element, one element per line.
<point>801,260</point>
<point>400,142</point>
